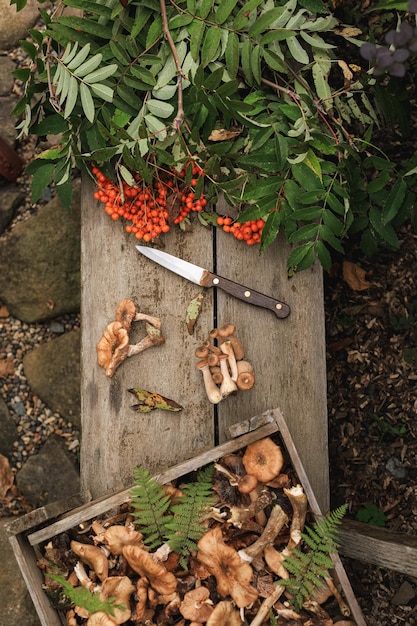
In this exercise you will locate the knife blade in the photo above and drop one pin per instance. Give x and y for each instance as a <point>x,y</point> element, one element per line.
<point>205,278</point>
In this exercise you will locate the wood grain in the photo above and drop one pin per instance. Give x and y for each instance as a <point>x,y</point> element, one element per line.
<point>288,355</point>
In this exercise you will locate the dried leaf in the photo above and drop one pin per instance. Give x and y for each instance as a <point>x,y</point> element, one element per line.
<point>355,276</point>
<point>6,476</point>
<point>6,367</point>
<point>221,134</point>
<point>4,311</point>
<point>347,73</point>
<point>148,401</point>
<point>349,31</point>
<point>193,311</point>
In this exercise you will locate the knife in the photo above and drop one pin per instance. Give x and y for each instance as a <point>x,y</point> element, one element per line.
<point>203,277</point>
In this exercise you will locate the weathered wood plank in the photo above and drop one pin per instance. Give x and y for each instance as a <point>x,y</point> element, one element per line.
<point>115,439</point>
<point>288,355</point>
<point>379,546</point>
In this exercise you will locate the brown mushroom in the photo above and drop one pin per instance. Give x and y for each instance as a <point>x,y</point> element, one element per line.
<point>99,618</point>
<point>216,375</point>
<point>233,577</point>
<point>93,556</point>
<point>227,330</point>
<point>113,347</point>
<point>276,521</point>
<point>126,313</point>
<point>245,376</point>
<point>201,352</point>
<point>227,386</point>
<point>196,605</point>
<point>224,614</point>
<point>116,537</point>
<point>142,563</point>
<point>120,588</point>
<point>263,459</point>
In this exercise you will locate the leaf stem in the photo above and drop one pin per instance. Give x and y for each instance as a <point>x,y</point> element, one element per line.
<point>179,118</point>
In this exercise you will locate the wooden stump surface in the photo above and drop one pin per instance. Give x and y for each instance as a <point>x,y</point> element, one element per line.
<point>288,356</point>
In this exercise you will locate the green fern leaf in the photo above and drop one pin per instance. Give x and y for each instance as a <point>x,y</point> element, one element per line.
<point>150,504</point>
<point>310,567</point>
<point>86,599</point>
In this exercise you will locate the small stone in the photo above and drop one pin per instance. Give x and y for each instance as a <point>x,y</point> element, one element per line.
<point>19,408</point>
<point>57,327</point>
<point>395,467</point>
<point>404,594</point>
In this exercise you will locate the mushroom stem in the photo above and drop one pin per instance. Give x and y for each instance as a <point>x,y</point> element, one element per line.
<point>154,321</point>
<point>267,605</point>
<point>212,391</point>
<point>228,386</point>
<point>298,500</point>
<point>276,521</point>
<point>226,348</point>
<point>153,338</point>
<point>344,609</point>
<point>85,581</point>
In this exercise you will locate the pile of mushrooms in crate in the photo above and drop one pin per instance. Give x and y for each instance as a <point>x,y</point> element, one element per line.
<point>235,572</point>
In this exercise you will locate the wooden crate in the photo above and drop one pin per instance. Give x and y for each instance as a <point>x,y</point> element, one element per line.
<point>27,535</point>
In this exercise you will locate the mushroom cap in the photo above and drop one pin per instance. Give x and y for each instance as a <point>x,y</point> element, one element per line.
<point>115,537</point>
<point>93,556</point>
<point>125,313</point>
<point>224,614</point>
<point>120,588</point>
<point>142,563</point>
<point>196,605</point>
<point>247,483</point>
<point>226,330</point>
<point>113,347</point>
<point>233,576</point>
<point>263,459</point>
<point>99,618</point>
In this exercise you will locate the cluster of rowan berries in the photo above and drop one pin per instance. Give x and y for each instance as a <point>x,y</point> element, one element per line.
<point>146,207</point>
<point>250,232</point>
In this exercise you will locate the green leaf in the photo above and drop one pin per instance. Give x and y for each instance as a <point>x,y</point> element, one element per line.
<point>89,66</point>
<point>307,231</point>
<point>274,61</point>
<point>264,21</point>
<point>313,163</point>
<point>155,126</point>
<point>281,150</point>
<point>71,99</point>
<point>277,34</point>
<point>224,9</point>
<point>51,125</point>
<point>270,230</point>
<point>255,62</point>
<point>321,71</point>
<point>22,74</point>
<point>323,255</point>
<point>301,257</point>
<point>204,8</point>
<point>29,48</point>
<point>41,178</point>
<point>87,102</point>
<point>246,60</point>
<point>64,193</point>
<point>393,201</point>
<point>79,58</point>
<point>262,187</point>
<point>101,74</point>
<point>297,51</point>
<point>160,108</point>
<point>232,55</point>
<point>327,234</point>
<point>210,45</point>
<point>315,41</point>
<point>102,91</point>
<point>243,15</point>
<point>196,29</point>
<point>306,176</point>
<point>86,25</point>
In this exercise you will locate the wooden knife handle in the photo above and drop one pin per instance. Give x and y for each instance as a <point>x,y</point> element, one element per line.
<point>246,294</point>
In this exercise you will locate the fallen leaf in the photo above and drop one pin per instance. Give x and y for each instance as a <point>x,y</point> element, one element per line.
<point>6,367</point>
<point>6,476</point>
<point>349,31</point>
<point>222,134</point>
<point>347,73</point>
<point>355,276</point>
<point>193,311</point>
<point>148,401</point>
<point>4,311</point>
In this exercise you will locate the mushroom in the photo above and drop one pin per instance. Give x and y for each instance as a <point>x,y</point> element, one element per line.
<point>216,375</point>
<point>113,347</point>
<point>223,562</point>
<point>224,614</point>
<point>212,391</point>
<point>228,386</point>
<point>227,330</point>
<point>201,352</point>
<point>120,588</point>
<point>93,556</point>
<point>263,459</point>
<point>276,521</point>
<point>226,348</point>
<point>99,618</point>
<point>116,537</point>
<point>245,376</point>
<point>142,563</point>
<point>196,605</point>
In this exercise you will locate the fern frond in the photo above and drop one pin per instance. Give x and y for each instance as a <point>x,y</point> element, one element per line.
<point>310,567</point>
<point>81,596</point>
<point>151,505</point>
<point>184,527</point>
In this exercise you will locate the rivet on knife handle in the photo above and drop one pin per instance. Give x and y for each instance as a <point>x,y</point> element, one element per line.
<point>246,294</point>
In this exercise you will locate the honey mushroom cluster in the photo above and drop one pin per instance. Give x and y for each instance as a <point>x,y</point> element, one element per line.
<point>222,364</point>
<point>113,347</point>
